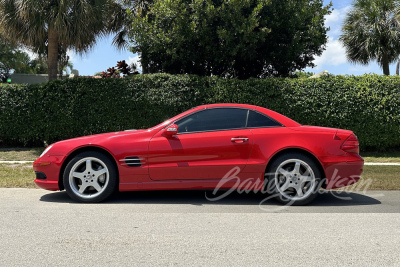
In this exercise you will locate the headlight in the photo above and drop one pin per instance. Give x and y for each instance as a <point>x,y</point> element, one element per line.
<point>45,151</point>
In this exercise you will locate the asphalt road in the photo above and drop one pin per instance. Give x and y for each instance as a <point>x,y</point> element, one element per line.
<point>42,228</point>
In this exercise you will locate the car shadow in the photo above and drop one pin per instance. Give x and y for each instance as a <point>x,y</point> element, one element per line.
<point>206,197</point>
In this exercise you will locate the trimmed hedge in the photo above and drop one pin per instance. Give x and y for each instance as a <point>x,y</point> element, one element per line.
<point>369,105</point>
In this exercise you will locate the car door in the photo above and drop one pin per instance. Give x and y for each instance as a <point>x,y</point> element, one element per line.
<point>209,144</point>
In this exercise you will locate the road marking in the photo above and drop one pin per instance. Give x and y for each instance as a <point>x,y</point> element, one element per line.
<point>15,161</point>
<point>381,164</point>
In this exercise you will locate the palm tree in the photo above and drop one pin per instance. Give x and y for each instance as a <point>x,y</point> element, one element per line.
<point>45,25</point>
<point>371,31</point>
<point>136,7</point>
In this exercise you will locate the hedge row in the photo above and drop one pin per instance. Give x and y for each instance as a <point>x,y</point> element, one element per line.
<point>369,105</point>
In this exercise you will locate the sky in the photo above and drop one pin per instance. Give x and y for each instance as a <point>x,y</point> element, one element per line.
<point>105,55</point>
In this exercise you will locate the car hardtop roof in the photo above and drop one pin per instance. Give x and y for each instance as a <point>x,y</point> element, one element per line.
<point>275,115</point>
<point>227,105</point>
<point>285,121</point>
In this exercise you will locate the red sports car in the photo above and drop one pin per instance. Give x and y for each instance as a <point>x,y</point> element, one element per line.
<point>222,146</point>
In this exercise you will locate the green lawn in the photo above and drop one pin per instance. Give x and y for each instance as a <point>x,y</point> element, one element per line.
<point>392,157</point>
<point>17,175</point>
<point>380,178</point>
<point>20,153</point>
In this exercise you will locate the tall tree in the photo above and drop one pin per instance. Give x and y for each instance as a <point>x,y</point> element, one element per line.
<point>63,61</point>
<point>230,38</point>
<point>132,8</point>
<point>39,65</point>
<point>45,25</point>
<point>371,31</point>
<point>12,58</point>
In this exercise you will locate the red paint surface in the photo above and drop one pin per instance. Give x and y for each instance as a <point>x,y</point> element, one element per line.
<point>201,160</point>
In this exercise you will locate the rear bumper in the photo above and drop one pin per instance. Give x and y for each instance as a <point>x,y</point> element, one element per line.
<point>343,173</point>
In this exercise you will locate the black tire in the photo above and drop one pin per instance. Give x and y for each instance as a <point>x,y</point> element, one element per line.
<point>287,185</point>
<point>90,177</point>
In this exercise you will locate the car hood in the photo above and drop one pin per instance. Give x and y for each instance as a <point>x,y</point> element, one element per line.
<point>95,138</point>
<point>64,147</point>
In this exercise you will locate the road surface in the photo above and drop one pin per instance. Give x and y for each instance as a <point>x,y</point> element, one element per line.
<point>42,228</point>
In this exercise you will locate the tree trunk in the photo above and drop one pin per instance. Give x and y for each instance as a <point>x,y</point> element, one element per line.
<point>385,65</point>
<point>52,54</point>
<point>143,61</point>
<point>398,67</point>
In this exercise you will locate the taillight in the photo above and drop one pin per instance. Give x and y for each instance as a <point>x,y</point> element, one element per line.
<point>351,144</point>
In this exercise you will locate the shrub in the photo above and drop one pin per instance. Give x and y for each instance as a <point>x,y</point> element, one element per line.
<point>31,114</point>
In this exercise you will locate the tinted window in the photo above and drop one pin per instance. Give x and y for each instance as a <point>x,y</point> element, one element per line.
<point>258,120</point>
<point>213,120</point>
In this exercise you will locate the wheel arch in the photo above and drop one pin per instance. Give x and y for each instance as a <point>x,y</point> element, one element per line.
<point>78,151</point>
<point>301,151</point>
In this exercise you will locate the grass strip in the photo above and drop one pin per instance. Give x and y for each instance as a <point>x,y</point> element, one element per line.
<point>10,154</point>
<point>17,175</point>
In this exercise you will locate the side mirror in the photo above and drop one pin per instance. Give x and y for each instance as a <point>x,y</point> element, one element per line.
<point>171,130</point>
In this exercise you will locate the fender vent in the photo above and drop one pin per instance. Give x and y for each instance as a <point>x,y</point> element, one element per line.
<point>131,161</point>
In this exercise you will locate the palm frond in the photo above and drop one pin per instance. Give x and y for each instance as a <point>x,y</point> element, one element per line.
<point>371,31</point>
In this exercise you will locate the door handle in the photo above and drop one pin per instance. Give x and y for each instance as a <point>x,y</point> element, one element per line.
<point>239,139</point>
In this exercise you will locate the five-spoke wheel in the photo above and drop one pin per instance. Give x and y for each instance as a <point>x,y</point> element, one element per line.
<point>294,179</point>
<point>90,177</point>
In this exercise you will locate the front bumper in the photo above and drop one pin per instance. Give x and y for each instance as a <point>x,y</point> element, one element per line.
<point>47,169</point>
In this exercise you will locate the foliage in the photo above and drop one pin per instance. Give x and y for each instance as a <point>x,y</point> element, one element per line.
<point>124,20</point>
<point>121,68</point>
<point>46,25</point>
<point>229,38</point>
<point>38,65</point>
<point>302,74</point>
<point>125,69</point>
<point>111,73</point>
<point>63,61</point>
<point>30,114</point>
<point>12,58</point>
<point>371,31</point>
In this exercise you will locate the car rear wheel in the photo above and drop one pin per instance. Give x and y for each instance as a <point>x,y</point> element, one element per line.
<point>90,177</point>
<point>294,179</point>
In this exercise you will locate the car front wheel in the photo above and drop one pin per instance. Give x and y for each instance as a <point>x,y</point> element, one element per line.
<point>294,179</point>
<point>90,177</point>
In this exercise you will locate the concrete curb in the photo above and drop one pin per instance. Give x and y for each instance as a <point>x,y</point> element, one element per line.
<point>15,161</point>
<point>381,164</point>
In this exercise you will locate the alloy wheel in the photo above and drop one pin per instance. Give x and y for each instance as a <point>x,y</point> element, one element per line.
<point>89,177</point>
<point>295,179</point>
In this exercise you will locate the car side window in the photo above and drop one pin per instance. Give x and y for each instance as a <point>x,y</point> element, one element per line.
<point>257,120</point>
<point>213,120</point>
